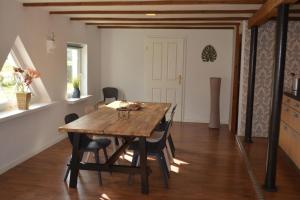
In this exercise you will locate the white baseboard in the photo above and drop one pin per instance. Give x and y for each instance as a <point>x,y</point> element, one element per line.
<point>30,154</point>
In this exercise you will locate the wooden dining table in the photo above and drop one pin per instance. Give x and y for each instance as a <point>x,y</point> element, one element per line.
<point>107,122</point>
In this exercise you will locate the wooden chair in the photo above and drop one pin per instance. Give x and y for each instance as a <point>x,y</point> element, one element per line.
<point>87,145</point>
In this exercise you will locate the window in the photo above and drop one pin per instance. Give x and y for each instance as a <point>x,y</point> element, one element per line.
<point>18,57</point>
<point>7,79</point>
<point>74,66</point>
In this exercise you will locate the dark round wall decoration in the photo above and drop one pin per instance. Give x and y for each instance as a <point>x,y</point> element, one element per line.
<point>209,54</point>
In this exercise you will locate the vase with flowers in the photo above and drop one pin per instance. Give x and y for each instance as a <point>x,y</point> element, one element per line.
<point>24,78</point>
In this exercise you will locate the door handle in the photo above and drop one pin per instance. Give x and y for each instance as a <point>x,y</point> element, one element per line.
<point>179,79</point>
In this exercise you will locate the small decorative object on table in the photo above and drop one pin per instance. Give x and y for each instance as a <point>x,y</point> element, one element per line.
<point>123,113</point>
<point>125,109</point>
<point>76,91</point>
<point>135,106</point>
<point>24,79</point>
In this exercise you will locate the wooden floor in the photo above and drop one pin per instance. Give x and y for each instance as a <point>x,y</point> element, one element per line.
<point>288,176</point>
<point>208,166</point>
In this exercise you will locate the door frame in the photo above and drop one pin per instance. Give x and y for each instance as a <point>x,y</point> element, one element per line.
<point>184,39</point>
<point>233,123</point>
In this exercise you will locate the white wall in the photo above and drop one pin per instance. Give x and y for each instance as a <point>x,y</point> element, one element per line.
<point>122,64</point>
<point>27,135</point>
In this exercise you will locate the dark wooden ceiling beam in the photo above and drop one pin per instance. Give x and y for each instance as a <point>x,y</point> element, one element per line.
<point>267,11</point>
<point>294,18</point>
<point>141,3</point>
<point>166,24</point>
<point>294,11</point>
<point>159,19</point>
<point>166,27</point>
<point>104,12</point>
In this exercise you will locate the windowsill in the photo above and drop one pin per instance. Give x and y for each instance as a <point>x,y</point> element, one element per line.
<point>15,113</point>
<point>77,100</point>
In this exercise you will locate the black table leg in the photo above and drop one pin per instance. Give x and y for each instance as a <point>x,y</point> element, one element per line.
<point>75,161</point>
<point>143,164</point>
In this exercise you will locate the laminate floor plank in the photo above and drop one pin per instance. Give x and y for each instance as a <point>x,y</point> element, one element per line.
<point>288,175</point>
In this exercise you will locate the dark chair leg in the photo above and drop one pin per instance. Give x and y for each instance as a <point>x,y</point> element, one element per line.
<point>117,141</point>
<point>163,169</point>
<point>165,164</point>
<point>133,163</point>
<point>106,156</point>
<point>67,173</point>
<point>98,162</point>
<point>81,155</point>
<point>172,146</point>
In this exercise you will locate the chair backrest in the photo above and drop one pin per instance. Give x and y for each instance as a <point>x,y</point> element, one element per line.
<point>163,140</point>
<point>110,92</point>
<point>172,115</point>
<point>83,139</point>
<point>174,108</point>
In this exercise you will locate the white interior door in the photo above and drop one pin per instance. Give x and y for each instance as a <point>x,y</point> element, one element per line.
<point>164,68</point>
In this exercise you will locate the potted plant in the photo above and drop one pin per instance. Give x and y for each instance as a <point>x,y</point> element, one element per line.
<point>24,79</point>
<point>76,91</point>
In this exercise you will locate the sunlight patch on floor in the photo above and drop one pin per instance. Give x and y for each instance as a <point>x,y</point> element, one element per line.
<point>180,162</point>
<point>104,197</point>
<point>174,169</point>
<point>126,157</point>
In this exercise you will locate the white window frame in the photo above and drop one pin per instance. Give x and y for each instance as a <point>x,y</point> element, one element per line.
<point>82,67</point>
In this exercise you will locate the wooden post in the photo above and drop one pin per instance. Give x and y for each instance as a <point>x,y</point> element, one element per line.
<point>278,80</point>
<point>251,84</point>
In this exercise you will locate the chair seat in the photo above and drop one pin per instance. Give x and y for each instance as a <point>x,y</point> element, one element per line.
<point>151,147</point>
<point>97,144</point>
<point>156,136</point>
<point>103,142</point>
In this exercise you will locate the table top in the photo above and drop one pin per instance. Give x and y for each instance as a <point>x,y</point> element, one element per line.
<point>105,121</point>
